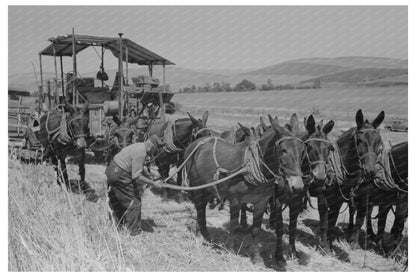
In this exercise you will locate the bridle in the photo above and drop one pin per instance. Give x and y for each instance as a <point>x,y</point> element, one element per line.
<point>129,131</point>
<point>283,170</point>
<point>370,152</point>
<point>71,131</point>
<point>195,133</point>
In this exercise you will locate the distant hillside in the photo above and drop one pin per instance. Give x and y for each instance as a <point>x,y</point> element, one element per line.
<point>358,75</point>
<point>348,70</point>
<point>344,70</point>
<point>298,69</point>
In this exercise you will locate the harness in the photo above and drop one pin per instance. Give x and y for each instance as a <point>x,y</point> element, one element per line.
<point>60,133</point>
<point>168,137</point>
<point>250,169</point>
<point>337,167</point>
<point>384,179</point>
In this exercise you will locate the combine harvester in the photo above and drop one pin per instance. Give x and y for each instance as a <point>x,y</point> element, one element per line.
<point>144,94</point>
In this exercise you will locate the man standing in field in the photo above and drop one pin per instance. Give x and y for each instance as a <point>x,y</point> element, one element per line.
<point>127,177</point>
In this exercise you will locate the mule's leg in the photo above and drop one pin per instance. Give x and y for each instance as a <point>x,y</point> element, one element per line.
<point>351,210</point>
<point>272,216</point>
<point>64,172</point>
<point>235,207</point>
<point>81,166</point>
<point>258,212</point>
<point>56,166</point>
<point>333,213</point>
<point>243,215</point>
<point>281,262</point>
<point>200,203</point>
<point>369,223</point>
<point>323,218</point>
<point>295,207</point>
<point>400,218</point>
<point>383,210</point>
<point>361,213</point>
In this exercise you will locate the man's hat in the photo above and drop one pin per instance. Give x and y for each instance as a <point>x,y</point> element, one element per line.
<point>156,141</point>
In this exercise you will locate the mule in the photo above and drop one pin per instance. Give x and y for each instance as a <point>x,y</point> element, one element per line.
<point>63,134</point>
<point>386,197</point>
<point>182,132</point>
<point>120,135</point>
<point>358,149</point>
<point>279,155</point>
<point>314,164</point>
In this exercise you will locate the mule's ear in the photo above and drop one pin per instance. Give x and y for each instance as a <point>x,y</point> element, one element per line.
<point>271,119</point>
<point>288,127</point>
<point>85,107</point>
<point>263,124</point>
<point>116,120</point>
<point>276,127</point>
<point>310,124</point>
<point>294,123</point>
<point>193,119</point>
<point>205,118</point>
<point>244,128</point>
<point>253,132</point>
<point>378,120</point>
<point>328,127</point>
<point>359,119</point>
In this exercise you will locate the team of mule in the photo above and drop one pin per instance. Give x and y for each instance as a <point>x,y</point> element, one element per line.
<point>275,166</point>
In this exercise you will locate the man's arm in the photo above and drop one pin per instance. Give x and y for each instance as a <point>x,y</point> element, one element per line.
<point>144,180</point>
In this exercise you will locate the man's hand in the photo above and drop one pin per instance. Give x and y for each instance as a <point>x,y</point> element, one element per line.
<point>158,184</point>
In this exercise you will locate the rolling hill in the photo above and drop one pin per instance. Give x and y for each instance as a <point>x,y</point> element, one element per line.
<point>339,70</point>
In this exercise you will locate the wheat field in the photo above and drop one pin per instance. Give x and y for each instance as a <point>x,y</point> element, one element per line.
<point>51,230</point>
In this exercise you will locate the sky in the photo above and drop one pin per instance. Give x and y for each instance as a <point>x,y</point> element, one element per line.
<point>214,37</point>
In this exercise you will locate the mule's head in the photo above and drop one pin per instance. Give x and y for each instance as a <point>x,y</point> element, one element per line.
<point>318,147</point>
<point>368,143</point>
<point>197,129</point>
<point>243,133</point>
<point>123,134</point>
<point>289,151</point>
<point>261,128</point>
<point>78,124</point>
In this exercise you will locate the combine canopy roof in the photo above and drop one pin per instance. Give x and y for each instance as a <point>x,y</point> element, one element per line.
<point>137,53</point>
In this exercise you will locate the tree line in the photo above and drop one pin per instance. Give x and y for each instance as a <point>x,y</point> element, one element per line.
<point>246,85</point>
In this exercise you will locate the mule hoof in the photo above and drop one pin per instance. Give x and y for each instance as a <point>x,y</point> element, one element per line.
<point>293,254</point>
<point>243,228</point>
<point>91,196</point>
<point>355,245</point>
<point>271,225</point>
<point>257,259</point>
<point>281,264</point>
<point>206,235</point>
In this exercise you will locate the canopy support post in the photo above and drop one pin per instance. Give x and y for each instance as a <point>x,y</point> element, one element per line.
<point>62,77</point>
<point>102,64</point>
<point>162,106</point>
<point>120,72</point>
<point>127,65</point>
<point>56,74</point>
<point>151,70</point>
<point>74,60</point>
<point>41,81</point>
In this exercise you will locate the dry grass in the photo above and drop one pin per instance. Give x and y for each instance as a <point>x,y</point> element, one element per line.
<point>46,234</point>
